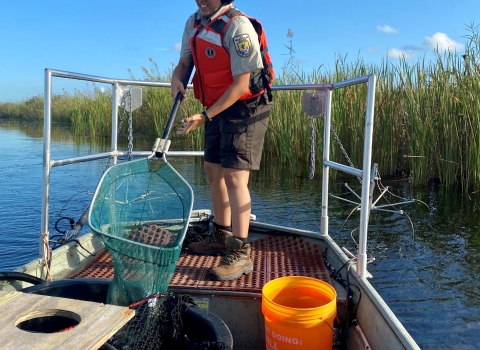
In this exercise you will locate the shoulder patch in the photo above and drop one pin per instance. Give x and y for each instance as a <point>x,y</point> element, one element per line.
<point>243,45</point>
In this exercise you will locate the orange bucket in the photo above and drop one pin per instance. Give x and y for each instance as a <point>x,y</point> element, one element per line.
<point>299,313</point>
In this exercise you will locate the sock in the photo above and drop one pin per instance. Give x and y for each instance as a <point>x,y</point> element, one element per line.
<point>220,227</point>
<point>244,240</point>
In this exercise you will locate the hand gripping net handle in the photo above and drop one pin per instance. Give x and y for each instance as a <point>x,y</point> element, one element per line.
<point>176,105</point>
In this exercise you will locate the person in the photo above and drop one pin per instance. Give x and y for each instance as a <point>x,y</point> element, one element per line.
<point>233,75</point>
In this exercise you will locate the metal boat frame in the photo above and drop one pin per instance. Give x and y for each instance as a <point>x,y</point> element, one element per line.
<point>378,323</point>
<point>118,86</point>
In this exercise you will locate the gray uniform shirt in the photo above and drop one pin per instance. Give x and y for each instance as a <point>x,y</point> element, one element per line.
<point>241,27</point>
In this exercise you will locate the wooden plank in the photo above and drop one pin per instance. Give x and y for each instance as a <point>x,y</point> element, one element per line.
<point>98,322</point>
<point>6,296</point>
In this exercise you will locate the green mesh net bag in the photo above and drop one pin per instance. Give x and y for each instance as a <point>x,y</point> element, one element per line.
<point>141,211</point>
<point>162,322</point>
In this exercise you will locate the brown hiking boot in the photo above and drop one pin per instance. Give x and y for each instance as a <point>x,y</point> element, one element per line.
<point>235,263</point>
<point>213,244</point>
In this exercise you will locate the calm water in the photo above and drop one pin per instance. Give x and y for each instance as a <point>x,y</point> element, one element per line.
<point>427,274</point>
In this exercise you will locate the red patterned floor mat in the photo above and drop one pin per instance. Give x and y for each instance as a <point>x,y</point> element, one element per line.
<point>272,257</point>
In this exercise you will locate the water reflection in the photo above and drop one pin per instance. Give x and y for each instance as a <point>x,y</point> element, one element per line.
<point>427,261</point>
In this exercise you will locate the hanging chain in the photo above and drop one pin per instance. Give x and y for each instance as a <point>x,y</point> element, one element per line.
<point>119,128</point>
<point>313,105</point>
<point>121,121</point>
<point>130,128</point>
<point>343,150</point>
<point>312,147</point>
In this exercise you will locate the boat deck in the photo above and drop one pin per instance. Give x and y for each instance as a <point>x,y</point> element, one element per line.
<point>273,256</point>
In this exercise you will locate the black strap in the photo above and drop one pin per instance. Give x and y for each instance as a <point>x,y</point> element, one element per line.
<point>218,25</point>
<point>196,20</point>
<point>265,71</point>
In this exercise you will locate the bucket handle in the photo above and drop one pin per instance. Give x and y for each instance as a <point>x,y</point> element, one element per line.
<point>331,328</point>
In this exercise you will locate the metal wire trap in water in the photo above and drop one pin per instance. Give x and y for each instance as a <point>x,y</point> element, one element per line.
<point>141,213</point>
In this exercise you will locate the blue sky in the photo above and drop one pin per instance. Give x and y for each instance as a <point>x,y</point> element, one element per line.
<point>106,38</point>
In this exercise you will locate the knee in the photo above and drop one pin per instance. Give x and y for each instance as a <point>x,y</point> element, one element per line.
<point>235,178</point>
<point>214,172</point>
<point>230,180</point>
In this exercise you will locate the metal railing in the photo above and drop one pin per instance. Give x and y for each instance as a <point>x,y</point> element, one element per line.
<point>365,173</point>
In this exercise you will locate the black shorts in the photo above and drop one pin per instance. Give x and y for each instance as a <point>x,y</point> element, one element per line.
<point>234,138</point>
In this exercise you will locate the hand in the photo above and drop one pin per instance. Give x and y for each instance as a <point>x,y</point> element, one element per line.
<point>176,87</point>
<point>190,124</point>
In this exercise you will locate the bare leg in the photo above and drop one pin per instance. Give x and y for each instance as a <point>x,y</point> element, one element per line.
<point>236,181</point>
<point>218,194</point>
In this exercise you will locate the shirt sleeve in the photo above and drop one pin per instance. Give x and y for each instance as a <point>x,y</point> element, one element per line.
<point>185,50</point>
<point>241,41</point>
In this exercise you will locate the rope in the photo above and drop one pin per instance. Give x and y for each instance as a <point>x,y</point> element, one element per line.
<point>47,254</point>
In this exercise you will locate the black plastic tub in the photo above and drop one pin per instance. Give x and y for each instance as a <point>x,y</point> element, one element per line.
<point>198,323</point>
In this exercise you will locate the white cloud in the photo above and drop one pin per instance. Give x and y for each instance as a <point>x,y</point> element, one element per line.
<point>387,29</point>
<point>398,54</point>
<point>442,42</point>
<point>174,47</point>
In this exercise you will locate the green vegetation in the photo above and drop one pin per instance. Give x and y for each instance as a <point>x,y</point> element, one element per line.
<point>427,116</point>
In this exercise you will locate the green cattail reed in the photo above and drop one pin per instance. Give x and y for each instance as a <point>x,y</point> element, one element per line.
<point>91,116</point>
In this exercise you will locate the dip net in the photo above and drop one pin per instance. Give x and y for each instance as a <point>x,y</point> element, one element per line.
<point>141,211</point>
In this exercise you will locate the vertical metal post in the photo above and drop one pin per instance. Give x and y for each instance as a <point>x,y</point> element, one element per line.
<point>367,162</point>
<point>47,117</point>
<point>326,169</point>
<point>116,95</point>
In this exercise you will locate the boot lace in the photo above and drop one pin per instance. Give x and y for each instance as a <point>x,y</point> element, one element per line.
<point>233,255</point>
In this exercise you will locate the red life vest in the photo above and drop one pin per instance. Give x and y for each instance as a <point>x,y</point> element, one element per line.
<point>213,74</point>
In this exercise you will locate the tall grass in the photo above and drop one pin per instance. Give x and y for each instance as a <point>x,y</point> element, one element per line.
<point>426,116</point>
<point>438,117</point>
<point>28,109</point>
